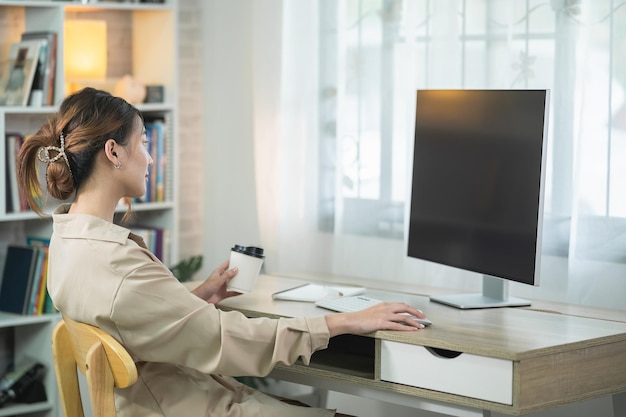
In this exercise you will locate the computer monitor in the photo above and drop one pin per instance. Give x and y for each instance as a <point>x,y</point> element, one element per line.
<point>477,187</point>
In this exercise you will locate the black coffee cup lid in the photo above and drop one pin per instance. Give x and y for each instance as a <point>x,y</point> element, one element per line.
<point>249,250</point>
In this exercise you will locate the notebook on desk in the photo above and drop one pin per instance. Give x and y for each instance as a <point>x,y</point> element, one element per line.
<point>316,292</point>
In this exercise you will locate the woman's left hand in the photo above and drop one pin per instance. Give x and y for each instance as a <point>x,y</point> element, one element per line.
<point>214,288</point>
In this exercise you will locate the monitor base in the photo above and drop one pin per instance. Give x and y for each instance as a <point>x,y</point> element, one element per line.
<point>495,294</point>
<point>470,301</point>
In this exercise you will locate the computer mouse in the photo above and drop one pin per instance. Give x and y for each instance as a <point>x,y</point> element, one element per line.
<point>424,322</point>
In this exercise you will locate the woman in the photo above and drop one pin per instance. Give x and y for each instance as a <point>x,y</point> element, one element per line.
<point>186,349</point>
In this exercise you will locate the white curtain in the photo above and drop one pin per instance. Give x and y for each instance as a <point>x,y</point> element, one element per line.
<point>334,113</point>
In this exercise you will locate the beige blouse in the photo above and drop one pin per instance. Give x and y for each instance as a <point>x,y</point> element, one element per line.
<point>187,350</point>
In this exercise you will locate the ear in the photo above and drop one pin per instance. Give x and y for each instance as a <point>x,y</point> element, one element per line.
<point>111,150</point>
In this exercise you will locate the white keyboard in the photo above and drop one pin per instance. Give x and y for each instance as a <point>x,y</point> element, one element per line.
<point>355,303</point>
<point>347,304</point>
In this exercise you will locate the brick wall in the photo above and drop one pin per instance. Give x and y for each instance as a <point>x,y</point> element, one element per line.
<point>11,28</point>
<point>190,145</point>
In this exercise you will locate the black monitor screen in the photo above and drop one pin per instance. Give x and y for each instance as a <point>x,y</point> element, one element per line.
<point>477,184</point>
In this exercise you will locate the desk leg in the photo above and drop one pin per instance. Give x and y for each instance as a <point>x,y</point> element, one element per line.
<point>619,404</point>
<point>486,413</point>
<point>322,395</point>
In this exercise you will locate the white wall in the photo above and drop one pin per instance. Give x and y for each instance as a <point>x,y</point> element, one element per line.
<point>228,166</point>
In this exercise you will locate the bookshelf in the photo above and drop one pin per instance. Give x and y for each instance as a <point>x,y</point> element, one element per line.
<point>141,38</point>
<point>30,339</point>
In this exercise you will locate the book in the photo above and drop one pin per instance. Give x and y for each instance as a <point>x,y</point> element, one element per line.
<point>39,293</point>
<point>9,175</point>
<point>17,78</point>
<point>165,246</point>
<point>42,291</point>
<point>154,238</point>
<point>162,161</point>
<point>147,197</point>
<point>17,278</point>
<point>44,78</point>
<point>151,135</point>
<point>155,131</point>
<point>316,292</point>
<point>15,201</point>
<point>35,284</point>
<point>40,242</point>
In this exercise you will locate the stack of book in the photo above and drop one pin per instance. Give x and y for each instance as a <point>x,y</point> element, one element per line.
<point>157,140</point>
<point>156,239</point>
<point>24,278</point>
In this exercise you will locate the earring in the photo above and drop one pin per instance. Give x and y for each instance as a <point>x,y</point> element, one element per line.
<point>118,165</point>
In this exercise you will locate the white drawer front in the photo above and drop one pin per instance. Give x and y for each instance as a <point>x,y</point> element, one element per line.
<point>467,375</point>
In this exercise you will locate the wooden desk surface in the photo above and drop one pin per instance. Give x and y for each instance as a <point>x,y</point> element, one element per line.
<point>549,345</point>
<point>548,306</point>
<point>507,333</point>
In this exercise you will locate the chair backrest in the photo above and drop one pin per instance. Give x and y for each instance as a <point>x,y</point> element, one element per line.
<point>101,358</point>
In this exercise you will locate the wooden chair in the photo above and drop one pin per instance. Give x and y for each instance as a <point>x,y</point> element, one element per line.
<point>101,358</point>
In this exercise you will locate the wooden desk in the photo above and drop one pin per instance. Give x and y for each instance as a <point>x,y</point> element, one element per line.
<point>470,362</point>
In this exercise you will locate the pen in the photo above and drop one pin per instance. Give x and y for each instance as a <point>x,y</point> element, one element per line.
<point>331,290</point>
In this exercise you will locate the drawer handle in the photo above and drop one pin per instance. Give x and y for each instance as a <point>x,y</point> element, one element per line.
<point>444,353</point>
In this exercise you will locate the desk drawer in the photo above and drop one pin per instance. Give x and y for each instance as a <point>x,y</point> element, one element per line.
<point>468,375</point>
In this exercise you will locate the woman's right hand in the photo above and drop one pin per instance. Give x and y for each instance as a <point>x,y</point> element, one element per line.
<point>214,288</point>
<point>382,316</point>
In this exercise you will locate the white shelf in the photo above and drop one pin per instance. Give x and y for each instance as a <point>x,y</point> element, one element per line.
<point>13,320</point>
<point>17,409</point>
<point>92,5</point>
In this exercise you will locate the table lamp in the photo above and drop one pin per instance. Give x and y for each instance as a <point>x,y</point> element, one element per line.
<point>85,53</point>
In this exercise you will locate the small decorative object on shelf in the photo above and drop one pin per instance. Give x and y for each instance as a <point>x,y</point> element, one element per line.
<point>130,89</point>
<point>154,94</point>
<point>17,78</point>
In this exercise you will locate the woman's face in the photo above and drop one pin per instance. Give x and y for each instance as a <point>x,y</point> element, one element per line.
<point>138,163</point>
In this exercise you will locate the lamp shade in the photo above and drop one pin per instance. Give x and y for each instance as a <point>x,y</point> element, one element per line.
<point>85,53</point>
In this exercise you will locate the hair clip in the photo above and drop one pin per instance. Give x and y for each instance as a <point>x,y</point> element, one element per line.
<point>44,153</point>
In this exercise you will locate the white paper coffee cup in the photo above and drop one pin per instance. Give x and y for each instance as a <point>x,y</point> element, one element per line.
<point>249,260</point>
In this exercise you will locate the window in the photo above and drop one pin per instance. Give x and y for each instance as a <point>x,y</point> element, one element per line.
<point>374,54</point>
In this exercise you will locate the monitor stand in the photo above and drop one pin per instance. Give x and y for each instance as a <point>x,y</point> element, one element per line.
<point>495,294</point>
